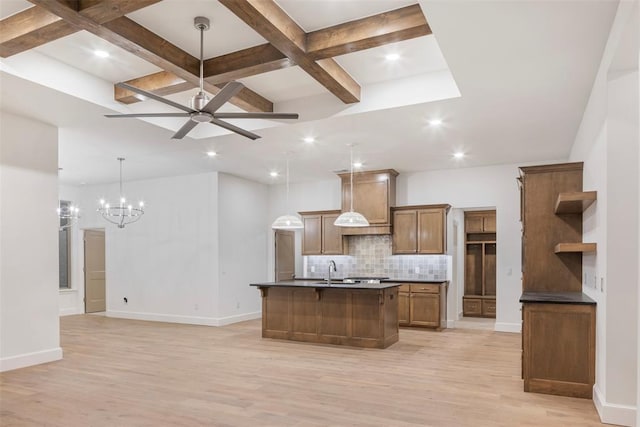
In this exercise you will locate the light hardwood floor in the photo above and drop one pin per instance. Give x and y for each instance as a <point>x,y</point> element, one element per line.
<point>118,372</point>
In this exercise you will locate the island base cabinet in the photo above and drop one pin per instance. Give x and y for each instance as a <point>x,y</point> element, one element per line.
<point>358,317</point>
<point>559,349</point>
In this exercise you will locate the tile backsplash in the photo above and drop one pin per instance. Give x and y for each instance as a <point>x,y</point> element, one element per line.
<point>371,256</point>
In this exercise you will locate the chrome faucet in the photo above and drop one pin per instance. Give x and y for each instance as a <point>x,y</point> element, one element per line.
<point>332,264</point>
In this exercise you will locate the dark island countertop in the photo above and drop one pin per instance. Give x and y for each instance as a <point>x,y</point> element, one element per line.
<point>433,282</point>
<point>556,298</point>
<point>323,284</point>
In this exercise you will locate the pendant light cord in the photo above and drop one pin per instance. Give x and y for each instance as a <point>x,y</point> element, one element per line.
<point>351,169</point>
<point>120,159</point>
<point>287,199</point>
<point>201,59</point>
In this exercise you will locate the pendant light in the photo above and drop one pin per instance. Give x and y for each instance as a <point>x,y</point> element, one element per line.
<point>288,221</point>
<point>351,218</point>
<point>120,213</point>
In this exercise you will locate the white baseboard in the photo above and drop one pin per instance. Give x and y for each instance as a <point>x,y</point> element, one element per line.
<point>451,323</point>
<point>610,413</point>
<point>69,311</point>
<point>515,328</point>
<point>189,320</point>
<point>222,321</point>
<point>30,359</point>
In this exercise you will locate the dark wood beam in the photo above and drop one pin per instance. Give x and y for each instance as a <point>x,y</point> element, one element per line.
<point>272,23</point>
<point>132,37</point>
<point>388,27</point>
<point>36,26</point>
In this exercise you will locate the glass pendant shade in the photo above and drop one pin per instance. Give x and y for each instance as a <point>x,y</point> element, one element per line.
<point>351,218</point>
<point>288,221</point>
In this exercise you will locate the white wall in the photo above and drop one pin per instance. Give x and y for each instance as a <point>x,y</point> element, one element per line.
<point>244,232</point>
<point>29,328</point>
<point>607,141</point>
<point>166,264</point>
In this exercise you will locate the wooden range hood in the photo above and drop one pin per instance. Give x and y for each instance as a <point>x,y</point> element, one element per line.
<point>374,194</point>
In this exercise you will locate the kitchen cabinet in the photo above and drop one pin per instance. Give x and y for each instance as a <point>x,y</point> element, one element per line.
<point>479,298</point>
<point>420,229</point>
<point>320,236</point>
<point>374,193</point>
<point>480,221</point>
<point>423,305</point>
<point>558,320</point>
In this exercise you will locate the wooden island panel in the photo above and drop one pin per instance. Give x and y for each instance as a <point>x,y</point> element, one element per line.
<point>356,317</point>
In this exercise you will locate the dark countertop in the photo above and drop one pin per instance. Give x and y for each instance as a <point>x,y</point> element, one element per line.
<point>400,281</point>
<point>556,298</point>
<point>323,284</point>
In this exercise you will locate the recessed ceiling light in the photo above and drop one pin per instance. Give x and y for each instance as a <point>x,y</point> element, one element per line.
<point>357,164</point>
<point>392,57</point>
<point>273,174</point>
<point>435,122</point>
<point>458,155</point>
<point>101,53</point>
<point>309,139</point>
<point>211,153</point>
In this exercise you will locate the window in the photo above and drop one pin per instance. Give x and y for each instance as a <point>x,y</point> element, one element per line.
<point>64,247</point>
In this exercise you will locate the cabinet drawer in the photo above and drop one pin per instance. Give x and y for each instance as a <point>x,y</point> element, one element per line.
<point>404,288</point>
<point>426,288</point>
<point>489,308</point>
<point>472,307</point>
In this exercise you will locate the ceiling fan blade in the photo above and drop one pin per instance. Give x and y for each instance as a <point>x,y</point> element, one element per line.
<point>111,116</point>
<point>227,92</point>
<point>235,129</point>
<point>256,115</point>
<point>155,97</point>
<point>184,129</point>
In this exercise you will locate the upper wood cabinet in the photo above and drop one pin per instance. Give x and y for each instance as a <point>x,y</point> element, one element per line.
<point>480,222</point>
<point>420,229</point>
<point>320,236</point>
<point>374,193</point>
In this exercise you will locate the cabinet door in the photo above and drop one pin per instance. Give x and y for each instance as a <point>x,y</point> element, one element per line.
<point>370,198</point>
<point>403,308</point>
<point>424,309</point>
<point>431,231</point>
<point>312,235</point>
<point>473,224</point>
<point>489,223</point>
<point>405,232</point>
<point>332,243</point>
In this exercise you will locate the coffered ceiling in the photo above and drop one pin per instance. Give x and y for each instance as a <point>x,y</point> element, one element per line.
<point>509,80</point>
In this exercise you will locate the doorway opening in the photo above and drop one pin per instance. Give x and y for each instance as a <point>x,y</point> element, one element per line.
<point>94,272</point>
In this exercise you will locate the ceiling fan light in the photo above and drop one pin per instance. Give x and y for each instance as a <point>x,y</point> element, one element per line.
<point>351,219</point>
<point>287,222</point>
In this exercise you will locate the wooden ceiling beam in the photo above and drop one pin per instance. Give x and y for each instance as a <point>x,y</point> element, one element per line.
<point>377,30</point>
<point>272,23</point>
<point>132,37</point>
<point>388,27</point>
<point>36,26</point>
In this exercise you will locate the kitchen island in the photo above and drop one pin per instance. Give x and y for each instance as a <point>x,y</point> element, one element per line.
<point>354,314</point>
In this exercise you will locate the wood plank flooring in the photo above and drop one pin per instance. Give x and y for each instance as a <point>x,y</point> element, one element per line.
<point>119,372</point>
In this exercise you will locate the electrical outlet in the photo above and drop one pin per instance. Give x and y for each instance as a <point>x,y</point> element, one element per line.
<point>417,270</point>
<point>126,301</point>
<point>602,284</point>
<point>313,268</point>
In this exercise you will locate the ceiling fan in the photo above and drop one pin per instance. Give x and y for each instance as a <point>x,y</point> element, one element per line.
<point>203,109</point>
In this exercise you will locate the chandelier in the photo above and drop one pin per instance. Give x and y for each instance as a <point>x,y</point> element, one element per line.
<point>68,214</point>
<point>121,213</point>
<point>288,221</point>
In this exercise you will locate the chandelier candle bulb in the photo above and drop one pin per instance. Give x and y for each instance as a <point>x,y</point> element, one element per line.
<point>123,213</point>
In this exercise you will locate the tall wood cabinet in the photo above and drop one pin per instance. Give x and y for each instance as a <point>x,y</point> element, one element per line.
<point>420,229</point>
<point>374,194</point>
<point>558,320</point>
<point>479,298</point>
<point>320,236</point>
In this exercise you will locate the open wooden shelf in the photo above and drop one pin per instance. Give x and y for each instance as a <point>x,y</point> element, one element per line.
<point>575,202</point>
<point>575,247</point>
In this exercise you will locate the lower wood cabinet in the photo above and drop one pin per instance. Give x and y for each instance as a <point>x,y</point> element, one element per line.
<point>423,305</point>
<point>558,348</point>
<point>479,306</point>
